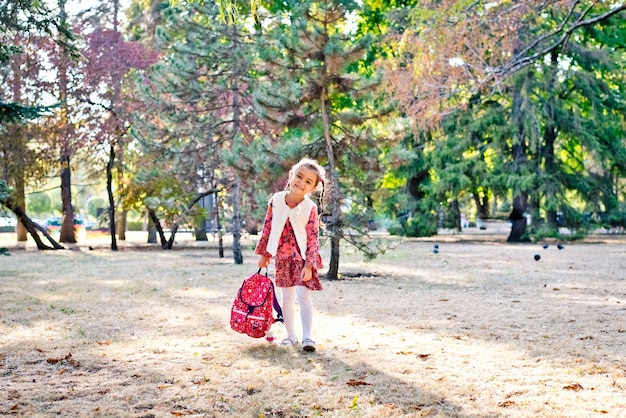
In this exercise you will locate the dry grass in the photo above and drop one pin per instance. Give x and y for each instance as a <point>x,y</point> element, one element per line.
<point>478,330</point>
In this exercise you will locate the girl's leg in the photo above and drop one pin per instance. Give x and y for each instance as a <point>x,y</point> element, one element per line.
<point>306,311</point>
<point>289,309</point>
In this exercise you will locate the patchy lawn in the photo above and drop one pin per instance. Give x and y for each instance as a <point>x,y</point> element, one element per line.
<point>478,330</point>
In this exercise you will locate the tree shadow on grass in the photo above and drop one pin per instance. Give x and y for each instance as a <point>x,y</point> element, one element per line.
<point>349,387</point>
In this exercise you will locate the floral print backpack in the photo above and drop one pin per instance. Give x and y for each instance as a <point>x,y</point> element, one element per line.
<point>252,310</point>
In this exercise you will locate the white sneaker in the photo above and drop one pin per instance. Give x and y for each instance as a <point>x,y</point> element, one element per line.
<point>308,345</point>
<point>289,342</point>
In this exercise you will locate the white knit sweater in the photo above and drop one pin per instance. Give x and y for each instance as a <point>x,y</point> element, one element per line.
<point>298,216</point>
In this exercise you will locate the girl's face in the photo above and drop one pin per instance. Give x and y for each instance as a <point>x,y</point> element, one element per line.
<point>303,181</point>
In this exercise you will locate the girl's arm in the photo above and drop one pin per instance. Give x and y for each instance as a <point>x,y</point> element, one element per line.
<point>313,257</point>
<point>261,247</point>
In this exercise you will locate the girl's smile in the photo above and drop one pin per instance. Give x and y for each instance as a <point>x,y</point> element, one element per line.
<point>302,182</point>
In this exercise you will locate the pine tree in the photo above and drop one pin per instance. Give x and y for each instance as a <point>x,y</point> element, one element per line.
<point>198,103</point>
<point>312,87</point>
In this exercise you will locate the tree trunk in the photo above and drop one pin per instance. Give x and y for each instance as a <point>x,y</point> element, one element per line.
<point>170,242</point>
<point>22,231</point>
<point>219,227</point>
<point>335,226</point>
<point>457,215</point>
<point>30,226</point>
<point>200,231</point>
<point>67,226</point>
<point>481,200</point>
<point>157,225</point>
<point>237,255</point>
<point>122,221</point>
<point>166,244</point>
<point>152,231</point>
<point>549,136</point>
<point>518,219</point>
<point>520,197</point>
<point>68,234</point>
<point>19,136</point>
<point>111,197</point>
<point>119,131</point>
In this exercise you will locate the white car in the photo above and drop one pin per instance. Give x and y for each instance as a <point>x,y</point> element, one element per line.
<point>6,221</point>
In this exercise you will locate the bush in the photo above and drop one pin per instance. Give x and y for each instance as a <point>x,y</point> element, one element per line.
<point>415,226</point>
<point>134,226</point>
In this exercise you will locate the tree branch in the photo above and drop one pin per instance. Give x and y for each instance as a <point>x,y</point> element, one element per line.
<point>521,61</point>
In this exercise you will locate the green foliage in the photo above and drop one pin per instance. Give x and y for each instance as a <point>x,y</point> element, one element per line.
<point>419,225</point>
<point>318,86</point>
<point>15,112</point>
<point>18,19</point>
<point>5,191</point>
<point>39,203</point>
<point>94,204</point>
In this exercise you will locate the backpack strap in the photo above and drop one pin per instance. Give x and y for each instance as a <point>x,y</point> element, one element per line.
<point>277,307</point>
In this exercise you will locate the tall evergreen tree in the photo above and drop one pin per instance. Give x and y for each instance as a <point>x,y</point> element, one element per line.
<point>199,105</point>
<point>535,73</point>
<point>313,87</point>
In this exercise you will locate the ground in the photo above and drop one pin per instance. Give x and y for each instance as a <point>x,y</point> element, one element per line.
<point>479,329</point>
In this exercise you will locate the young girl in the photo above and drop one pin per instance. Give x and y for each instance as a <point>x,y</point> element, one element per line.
<point>290,235</point>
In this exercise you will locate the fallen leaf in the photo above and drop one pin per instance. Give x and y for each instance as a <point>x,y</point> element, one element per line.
<point>576,387</point>
<point>14,407</point>
<point>506,404</point>
<point>354,382</point>
<point>53,360</point>
<point>423,356</point>
<point>355,402</point>
<point>106,342</point>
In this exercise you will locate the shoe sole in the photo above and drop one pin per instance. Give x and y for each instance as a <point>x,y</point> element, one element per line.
<point>308,348</point>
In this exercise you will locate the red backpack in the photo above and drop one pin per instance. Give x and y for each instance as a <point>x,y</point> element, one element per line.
<point>252,313</point>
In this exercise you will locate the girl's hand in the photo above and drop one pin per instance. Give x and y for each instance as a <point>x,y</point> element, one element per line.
<point>263,261</point>
<point>307,273</point>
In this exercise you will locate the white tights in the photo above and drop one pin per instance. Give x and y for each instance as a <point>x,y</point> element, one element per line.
<point>289,310</point>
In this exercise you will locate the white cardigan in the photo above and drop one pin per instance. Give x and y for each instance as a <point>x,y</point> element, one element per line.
<point>298,216</point>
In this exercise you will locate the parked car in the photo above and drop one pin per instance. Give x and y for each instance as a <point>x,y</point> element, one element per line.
<point>54,223</point>
<point>7,224</point>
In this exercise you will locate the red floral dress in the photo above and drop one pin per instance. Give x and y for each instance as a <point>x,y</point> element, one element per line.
<point>289,262</point>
